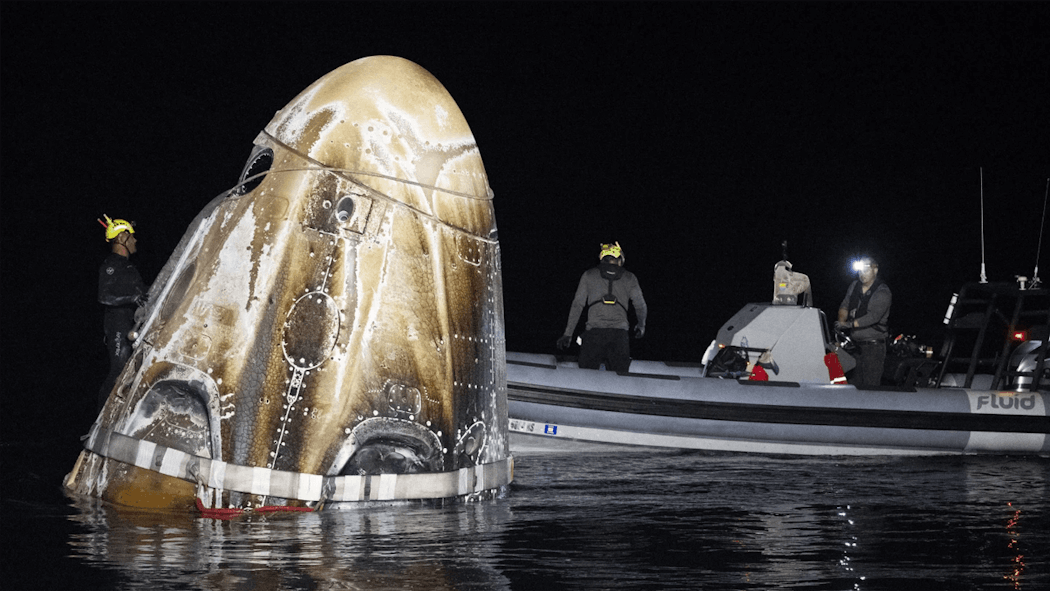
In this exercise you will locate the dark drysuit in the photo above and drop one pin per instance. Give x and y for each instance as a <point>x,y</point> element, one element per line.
<point>121,289</point>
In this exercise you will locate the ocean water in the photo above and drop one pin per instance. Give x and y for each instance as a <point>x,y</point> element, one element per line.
<point>622,520</point>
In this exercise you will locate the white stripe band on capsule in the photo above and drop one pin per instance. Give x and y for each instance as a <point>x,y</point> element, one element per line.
<point>220,475</point>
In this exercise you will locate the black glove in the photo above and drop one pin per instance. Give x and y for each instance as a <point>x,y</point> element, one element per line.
<point>639,331</point>
<point>564,342</point>
<point>843,326</point>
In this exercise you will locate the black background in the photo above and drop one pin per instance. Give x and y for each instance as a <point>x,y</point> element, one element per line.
<point>699,136</point>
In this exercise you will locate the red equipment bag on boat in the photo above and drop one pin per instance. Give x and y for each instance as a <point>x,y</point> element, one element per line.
<point>835,372</point>
<point>758,374</point>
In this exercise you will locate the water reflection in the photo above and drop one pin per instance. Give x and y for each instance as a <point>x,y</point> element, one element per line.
<point>379,548</point>
<point>986,485</point>
<point>628,521</point>
<point>1014,576</point>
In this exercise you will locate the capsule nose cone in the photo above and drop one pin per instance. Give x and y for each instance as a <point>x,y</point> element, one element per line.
<point>392,126</point>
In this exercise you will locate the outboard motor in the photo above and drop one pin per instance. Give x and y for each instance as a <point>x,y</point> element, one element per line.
<point>1024,362</point>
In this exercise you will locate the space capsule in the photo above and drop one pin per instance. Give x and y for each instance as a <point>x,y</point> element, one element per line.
<point>331,329</point>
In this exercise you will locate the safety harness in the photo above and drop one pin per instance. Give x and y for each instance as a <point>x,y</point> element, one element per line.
<point>858,301</point>
<point>610,273</point>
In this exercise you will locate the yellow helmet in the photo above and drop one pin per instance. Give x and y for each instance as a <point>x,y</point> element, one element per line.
<point>611,250</point>
<point>115,227</point>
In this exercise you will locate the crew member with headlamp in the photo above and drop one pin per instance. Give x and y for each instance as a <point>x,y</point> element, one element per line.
<point>865,312</point>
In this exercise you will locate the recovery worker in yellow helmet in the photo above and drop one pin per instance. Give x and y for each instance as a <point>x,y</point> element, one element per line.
<point>122,291</point>
<point>606,292</point>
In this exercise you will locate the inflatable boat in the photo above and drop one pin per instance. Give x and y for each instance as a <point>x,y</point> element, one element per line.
<point>977,395</point>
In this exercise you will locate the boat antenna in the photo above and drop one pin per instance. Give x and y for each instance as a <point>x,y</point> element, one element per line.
<point>984,277</point>
<point>1035,275</point>
<point>784,247</point>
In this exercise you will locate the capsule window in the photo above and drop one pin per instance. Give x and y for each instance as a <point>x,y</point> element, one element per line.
<point>255,170</point>
<point>344,210</point>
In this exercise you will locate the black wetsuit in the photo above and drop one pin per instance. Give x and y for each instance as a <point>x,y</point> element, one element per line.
<point>121,289</point>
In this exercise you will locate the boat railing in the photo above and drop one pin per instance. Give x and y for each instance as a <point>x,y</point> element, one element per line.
<point>980,328</point>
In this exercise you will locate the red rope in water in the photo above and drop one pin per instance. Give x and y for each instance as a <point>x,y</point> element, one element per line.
<point>231,512</point>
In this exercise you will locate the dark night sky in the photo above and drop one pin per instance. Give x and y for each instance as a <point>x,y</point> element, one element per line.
<point>699,136</point>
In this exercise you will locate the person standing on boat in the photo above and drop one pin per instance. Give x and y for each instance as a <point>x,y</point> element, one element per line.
<point>865,311</point>
<point>605,292</point>
<point>122,291</point>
